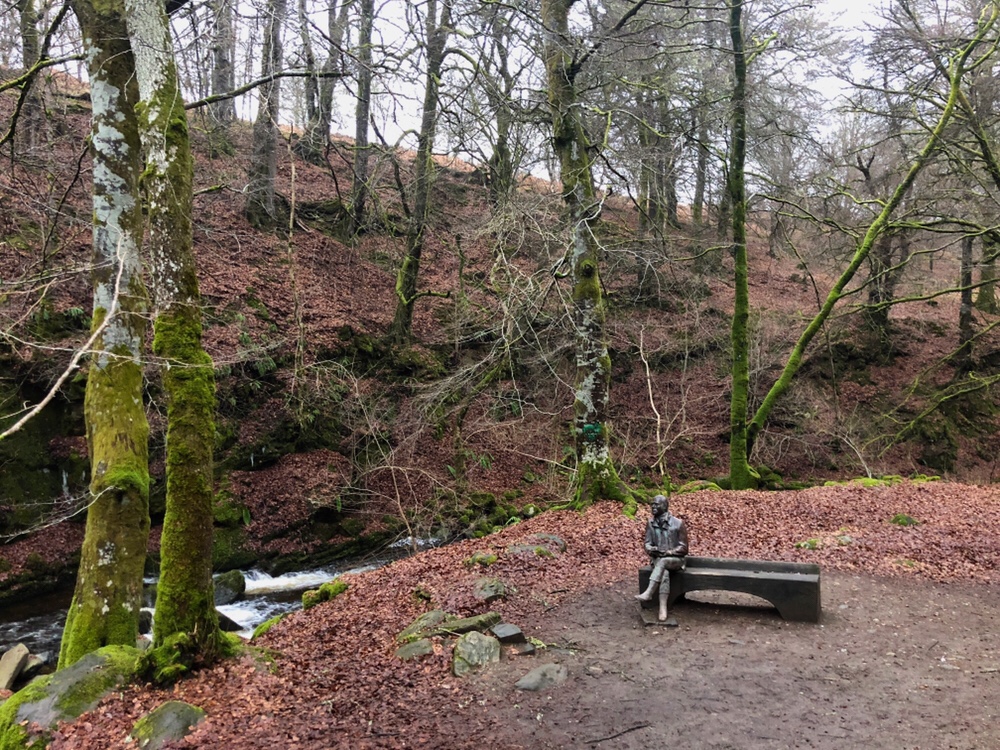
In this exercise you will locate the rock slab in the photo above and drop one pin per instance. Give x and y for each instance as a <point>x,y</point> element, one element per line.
<point>11,665</point>
<point>168,722</point>
<point>474,651</point>
<point>507,633</point>
<point>543,677</point>
<point>415,649</point>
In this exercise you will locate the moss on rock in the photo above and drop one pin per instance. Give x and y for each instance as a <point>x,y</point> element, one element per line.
<point>324,593</point>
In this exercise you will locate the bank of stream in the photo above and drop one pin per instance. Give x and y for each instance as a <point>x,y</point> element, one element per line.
<point>38,623</point>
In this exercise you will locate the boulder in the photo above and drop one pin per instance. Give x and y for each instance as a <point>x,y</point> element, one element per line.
<point>228,624</point>
<point>168,722</point>
<point>228,587</point>
<point>11,664</point>
<point>489,589</point>
<point>543,677</point>
<point>65,695</point>
<point>474,651</point>
<point>34,665</point>
<point>414,649</point>
<point>542,545</point>
<point>145,621</point>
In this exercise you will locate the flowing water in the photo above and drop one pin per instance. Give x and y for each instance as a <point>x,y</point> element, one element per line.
<point>38,623</point>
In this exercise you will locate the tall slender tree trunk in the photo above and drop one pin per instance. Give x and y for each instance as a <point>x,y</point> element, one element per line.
<point>438,30</point>
<point>362,113</point>
<point>184,600</point>
<point>31,127</point>
<point>597,477</point>
<point>963,357</point>
<point>741,476</point>
<point>701,165</point>
<point>262,208</point>
<point>986,298</point>
<point>108,595</point>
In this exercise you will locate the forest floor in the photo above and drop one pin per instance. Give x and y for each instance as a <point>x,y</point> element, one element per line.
<point>903,657</point>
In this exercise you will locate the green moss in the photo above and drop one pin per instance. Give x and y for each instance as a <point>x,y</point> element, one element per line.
<point>12,735</point>
<point>168,662</point>
<point>230,549</point>
<point>698,485</point>
<point>484,559</point>
<point>809,544</point>
<point>324,593</point>
<point>904,519</point>
<point>266,626</point>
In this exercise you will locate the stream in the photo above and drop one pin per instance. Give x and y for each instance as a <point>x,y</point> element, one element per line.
<point>38,623</point>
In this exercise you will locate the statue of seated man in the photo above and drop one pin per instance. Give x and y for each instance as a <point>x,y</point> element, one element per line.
<point>667,545</point>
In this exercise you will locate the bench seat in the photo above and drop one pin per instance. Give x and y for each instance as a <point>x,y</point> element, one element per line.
<point>793,588</point>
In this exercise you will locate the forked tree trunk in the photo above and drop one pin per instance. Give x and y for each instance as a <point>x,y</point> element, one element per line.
<point>319,86</point>
<point>184,600</point>
<point>108,595</point>
<point>262,205</point>
<point>597,477</point>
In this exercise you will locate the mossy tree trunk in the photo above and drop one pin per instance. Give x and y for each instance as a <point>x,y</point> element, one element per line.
<point>438,30</point>
<point>108,595</point>
<point>184,601</point>
<point>741,476</point>
<point>596,474</point>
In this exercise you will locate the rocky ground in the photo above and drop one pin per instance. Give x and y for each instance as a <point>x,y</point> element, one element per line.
<point>903,656</point>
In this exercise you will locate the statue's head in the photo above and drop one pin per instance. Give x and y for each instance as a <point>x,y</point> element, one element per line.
<point>660,505</point>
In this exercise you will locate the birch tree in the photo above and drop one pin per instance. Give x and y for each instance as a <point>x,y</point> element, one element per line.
<point>596,476</point>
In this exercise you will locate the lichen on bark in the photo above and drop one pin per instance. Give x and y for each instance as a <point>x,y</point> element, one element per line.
<point>185,604</point>
<point>597,476</point>
<point>107,598</point>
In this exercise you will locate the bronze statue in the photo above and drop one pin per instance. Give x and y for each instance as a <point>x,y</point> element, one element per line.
<point>667,545</point>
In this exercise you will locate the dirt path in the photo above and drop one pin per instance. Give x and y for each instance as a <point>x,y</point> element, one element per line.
<point>893,664</point>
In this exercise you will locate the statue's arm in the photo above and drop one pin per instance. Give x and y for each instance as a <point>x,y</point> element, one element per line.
<point>648,542</point>
<point>682,541</point>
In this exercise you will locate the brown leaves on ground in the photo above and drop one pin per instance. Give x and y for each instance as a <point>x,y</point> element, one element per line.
<point>329,677</point>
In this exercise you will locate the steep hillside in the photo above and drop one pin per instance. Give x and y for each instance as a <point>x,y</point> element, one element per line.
<point>330,441</point>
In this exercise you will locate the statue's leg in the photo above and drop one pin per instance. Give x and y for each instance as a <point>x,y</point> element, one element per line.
<point>654,582</point>
<point>664,596</point>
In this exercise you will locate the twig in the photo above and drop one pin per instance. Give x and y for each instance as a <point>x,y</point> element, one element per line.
<point>618,734</point>
<point>73,363</point>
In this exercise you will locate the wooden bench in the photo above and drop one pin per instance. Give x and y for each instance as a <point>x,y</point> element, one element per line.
<point>793,588</point>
